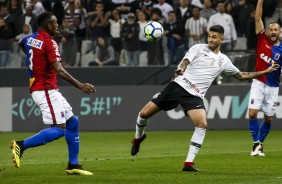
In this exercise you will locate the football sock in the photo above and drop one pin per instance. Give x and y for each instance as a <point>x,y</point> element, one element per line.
<point>43,137</point>
<point>140,126</point>
<point>264,130</point>
<point>254,129</point>
<point>72,139</point>
<point>196,143</point>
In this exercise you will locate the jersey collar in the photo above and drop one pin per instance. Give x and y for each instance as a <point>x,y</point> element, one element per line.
<point>40,31</point>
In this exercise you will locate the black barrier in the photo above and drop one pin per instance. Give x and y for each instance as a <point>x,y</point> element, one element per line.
<point>15,77</point>
<point>117,107</point>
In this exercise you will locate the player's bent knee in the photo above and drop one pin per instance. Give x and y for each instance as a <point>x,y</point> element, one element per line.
<point>268,119</point>
<point>253,114</point>
<point>72,124</point>
<point>144,114</point>
<point>202,125</point>
<point>62,126</point>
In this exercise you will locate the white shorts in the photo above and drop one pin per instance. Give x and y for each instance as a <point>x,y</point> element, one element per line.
<point>54,107</point>
<point>263,97</point>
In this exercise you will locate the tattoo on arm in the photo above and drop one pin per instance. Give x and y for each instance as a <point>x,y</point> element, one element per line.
<point>184,63</point>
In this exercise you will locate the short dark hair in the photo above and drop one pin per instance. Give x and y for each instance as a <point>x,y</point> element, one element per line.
<point>274,22</point>
<point>44,18</point>
<point>99,2</point>
<point>217,28</point>
<point>156,11</point>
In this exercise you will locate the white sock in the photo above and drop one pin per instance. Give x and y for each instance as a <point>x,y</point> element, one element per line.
<point>196,143</point>
<point>140,126</point>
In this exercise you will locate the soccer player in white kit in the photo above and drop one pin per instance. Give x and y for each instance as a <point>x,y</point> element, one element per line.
<point>194,74</point>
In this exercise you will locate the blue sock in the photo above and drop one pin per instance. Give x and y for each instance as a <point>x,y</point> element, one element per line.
<point>264,130</point>
<point>254,129</point>
<point>72,139</point>
<point>43,137</point>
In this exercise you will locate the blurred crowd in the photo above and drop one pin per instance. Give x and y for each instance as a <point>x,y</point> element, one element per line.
<point>113,29</point>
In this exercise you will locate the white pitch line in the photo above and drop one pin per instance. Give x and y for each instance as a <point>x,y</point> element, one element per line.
<point>34,162</point>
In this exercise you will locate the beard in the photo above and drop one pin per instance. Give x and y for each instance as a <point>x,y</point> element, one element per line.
<point>274,38</point>
<point>213,46</point>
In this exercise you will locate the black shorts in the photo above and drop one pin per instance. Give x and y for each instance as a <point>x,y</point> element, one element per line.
<point>173,94</point>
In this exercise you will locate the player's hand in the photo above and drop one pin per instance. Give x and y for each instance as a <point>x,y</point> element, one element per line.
<point>88,88</point>
<point>179,71</point>
<point>272,68</point>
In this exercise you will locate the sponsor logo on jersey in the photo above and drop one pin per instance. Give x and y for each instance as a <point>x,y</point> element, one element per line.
<point>34,43</point>
<point>268,59</point>
<point>193,86</point>
<point>56,48</point>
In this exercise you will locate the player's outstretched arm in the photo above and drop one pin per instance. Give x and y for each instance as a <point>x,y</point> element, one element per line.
<point>182,66</point>
<point>251,75</point>
<point>62,73</point>
<point>258,15</point>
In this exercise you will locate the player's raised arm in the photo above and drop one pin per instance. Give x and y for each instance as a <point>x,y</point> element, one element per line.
<point>251,75</point>
<point>258,15</point>
<point>62,73</point>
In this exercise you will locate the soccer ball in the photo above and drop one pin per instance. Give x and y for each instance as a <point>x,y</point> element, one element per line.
<point>153,31</point>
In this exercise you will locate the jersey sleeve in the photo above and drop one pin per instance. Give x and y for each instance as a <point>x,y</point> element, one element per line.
<point>229,68</point>
<point>192,53</point>
<point>261,35</point>
<point>52,51</point>
<point>23,40</point>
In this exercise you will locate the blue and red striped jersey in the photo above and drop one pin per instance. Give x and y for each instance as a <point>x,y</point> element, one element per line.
<point>41,51</point>
<point>266,55</point>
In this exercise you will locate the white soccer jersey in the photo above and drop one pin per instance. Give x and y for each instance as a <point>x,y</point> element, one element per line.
<point>203,69</point>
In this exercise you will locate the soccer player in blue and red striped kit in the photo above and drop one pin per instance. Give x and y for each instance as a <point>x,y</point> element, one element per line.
<point>264,89</point>
<point>44,64</point>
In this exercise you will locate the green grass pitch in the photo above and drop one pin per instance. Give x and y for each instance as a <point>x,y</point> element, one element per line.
<point>223,159</point>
